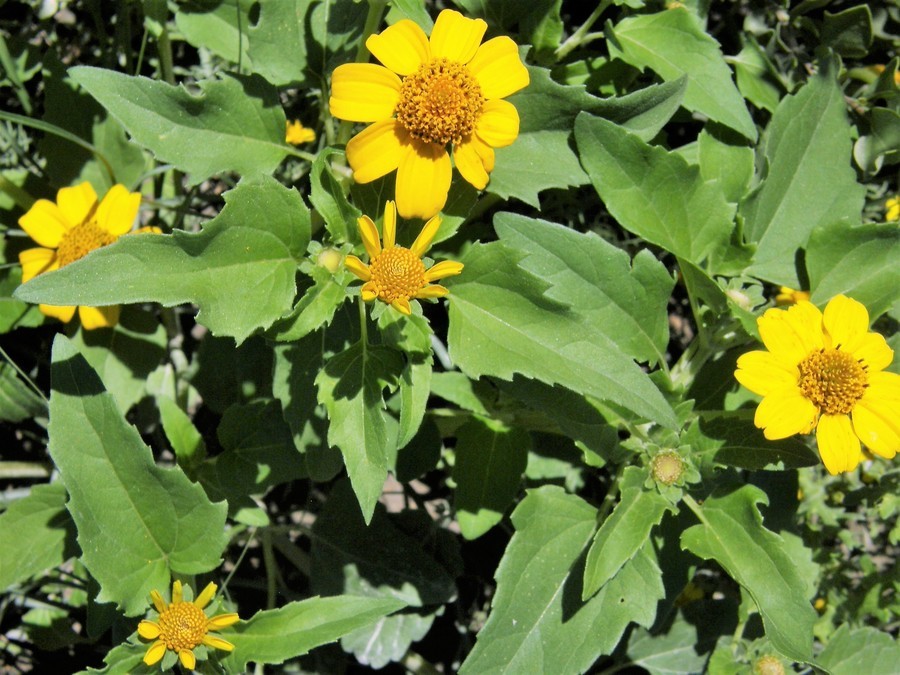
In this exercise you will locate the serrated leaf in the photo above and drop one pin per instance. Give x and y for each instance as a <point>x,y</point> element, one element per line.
<point>754,75</point>
<point>501,324</point>
<point>316,307</point>
<point>654,193</point>
<point>276,635</point>
<point>328,198</point>
<point>388,639</point>
<point>807,178</point>
<point>145,522</point>
<point>731,532</point>
<point>218,27</point>
<point>624,532</point>
<point>37,533</point>
<point>240,269</point>
<point>672,653</point>
<point>672,43</point>
<point>860,651</point>
<point>538,622</point>
<point>186,441</point>
<point>725,161</point>
<point>490,461</point>
<point>235,124</point>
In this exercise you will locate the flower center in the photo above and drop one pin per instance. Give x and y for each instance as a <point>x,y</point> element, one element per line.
<point>81,240</point>
<point>182,626</point>
<point>833,380</point>
<point>440,103</point>
<point>397,273</point>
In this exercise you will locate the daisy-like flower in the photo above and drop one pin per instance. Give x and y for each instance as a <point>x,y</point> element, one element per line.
<point>892,207</point>
<point>297,134</point>
<point>788,296</point>
<point>70,229</point>
<point>430,94</point>
<point>182,625</point>
<point>825,372</point>
<point>395,275</point>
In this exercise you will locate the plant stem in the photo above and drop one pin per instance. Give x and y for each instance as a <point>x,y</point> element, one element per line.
<point>7,63</point>
<point>580,36</point>
<point>22,199</point>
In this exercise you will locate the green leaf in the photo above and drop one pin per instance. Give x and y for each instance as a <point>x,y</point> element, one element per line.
<point>837,256</point>
<point>350,387</point>
<point>725,161</point>
<point>537,622</point>
<point>413,10</point>
<point>624,299</point>
<point>234,124</point>
<point>672,43</point>
<point>328,198</point>
<point>624,532</point>
<point>880,143</point>
<point>317,304</point>
<point>490,461</point>
<point>186,441</point>
<point>756,77</point>
<point>860,651</point>
<point>219,26</point>
<point>848,33</point>
<point>731,532</point>
<point>18,401</point>
<point>654,193</point>
<point>389,639</point>
<point>145,522</point>
<point>276,635</point>
<point>240,269</point>
<point>501,323</point>
<point>37,533</point>
<point>415,387</point>
<point>672,653</point>
<point>807,178</point>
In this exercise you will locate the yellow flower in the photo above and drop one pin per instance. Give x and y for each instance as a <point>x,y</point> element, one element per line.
<point>892,207</point>
<point>182,626</point>
<point>70,229</point>
<point>430,93</point>
<point>788,296</point>
<point>297,134</point>
<point>395,274</point>
<point>825,372</point>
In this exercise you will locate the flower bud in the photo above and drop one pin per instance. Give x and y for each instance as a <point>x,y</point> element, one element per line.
<point>667,467</point>
<point>330,259</point>
<point>768,665</point>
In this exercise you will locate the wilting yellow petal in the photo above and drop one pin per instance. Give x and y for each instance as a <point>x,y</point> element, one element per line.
<point>217,643</point>
<point>498,125</point>
<point>423,180</point>
<point>358,267</point>
<point>118,210</point>
<point>369,234</point>
<point>443,269</point>
<point>77,203</point>
<point>389,227</point>
<point>62,312</point>
<point>377,150</point>
<point>456,37</point>
<point>838,445</point>
<point>149,630</point>
<point>363,92</point>
<point>221,621</point>
<point>402,47</point>
<point>45,223</point>
<point>155,653</point>
<point>785,413</point>
<point>187,658</point>
<point>845,320</point>
<point>498,68</point>
<point>762,372</point>
<point>433,291</point>
<point>402,305</point>
<point>205,596</point>
<point>470,161</point>
<point>99,317</point>
<point>426,236</point>
<point>36,261</point>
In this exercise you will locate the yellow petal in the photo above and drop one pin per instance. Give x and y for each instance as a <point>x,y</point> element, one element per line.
<point>77,203</point>
<point>444,269</point>
<point>177,592</point>
<point>155,653</point>
<point>367,291</point>
<point>158,602</point>
<point>297,134</point>
<point>118,210</point>
<point>498,125</point>
<point>838,445</point>
<point>45,223</point>
<point>389,228</point>
<point>762,373</point>
<point>358,267</point>
<point>369,234</point>
<point>149,630</point>
<point>433,291</point>
<point>62,312</point>
<point>423,180</point>
<point>187,658</point>
<point>884,385</point>
<point>469,157</point>
<point>377,150</point>
<point>205,596</point>
<point>217,643</point>
<point>877,424</point>
<point>402,47</point>
<point>785,413</point>
<point>873,349</point>
<point>426,236</point>
<point>36,261</point>
<point>93,318</point>
<point>845,320</point>
<point>363,92</point>
<point>792,334</point>
<point>402,305</point>
<point>456,37</point>
<point>221,621</point>
<point>498,68</point>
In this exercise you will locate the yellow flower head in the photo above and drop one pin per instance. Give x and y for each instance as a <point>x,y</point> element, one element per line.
<point>395,275</point>
<point>892,207</point>
<point>70,229</point>
<point>788,296</point>
<point>430,93</point>
<point>825,372</point>
<point>297,134</point>
<point>182,626</point>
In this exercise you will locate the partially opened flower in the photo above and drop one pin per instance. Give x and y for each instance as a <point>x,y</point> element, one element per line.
<point>430,94</point>
<point>395,274</point>
<point>297,134</point>
<point>70,229</point>
<point>825,372</point>
<point>182,626</point>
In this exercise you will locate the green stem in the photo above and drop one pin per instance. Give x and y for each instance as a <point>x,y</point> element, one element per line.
<point>695,507</point>
<point>24,376</point>
<point>271,569</point>
<point>580,36</point>
<point>363,326</point>
<point>7,62</point>
<point>164,47</point>
<point>609,501</point>
<point>22,199</point>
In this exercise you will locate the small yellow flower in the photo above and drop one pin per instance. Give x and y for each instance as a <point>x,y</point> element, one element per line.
<point>430,93</point>
<point>788,296</point>
<point>70,229</point>
<point>892,207</point>
<point>182,626</point>
<point>297,134</point>
<point>825,372</point>
<point>395,275</point>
